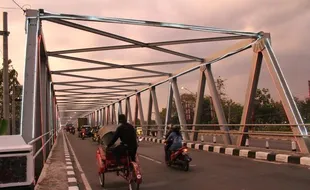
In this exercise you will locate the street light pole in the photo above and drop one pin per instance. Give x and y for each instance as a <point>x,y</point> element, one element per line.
<point>5,72</point>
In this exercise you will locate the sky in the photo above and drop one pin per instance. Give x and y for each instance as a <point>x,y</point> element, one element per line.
<point>286,20</point>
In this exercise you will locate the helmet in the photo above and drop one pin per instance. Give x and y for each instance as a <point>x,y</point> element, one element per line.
<point>122,118</point>
<point>176,128</point>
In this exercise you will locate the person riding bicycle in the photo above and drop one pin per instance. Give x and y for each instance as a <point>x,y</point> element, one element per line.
<point>176,139</point>
<point>128,136</point>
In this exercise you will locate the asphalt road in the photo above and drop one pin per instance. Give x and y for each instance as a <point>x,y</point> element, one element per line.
<point>208,171</point>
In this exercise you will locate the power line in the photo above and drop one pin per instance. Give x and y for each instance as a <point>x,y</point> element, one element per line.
<point>18,5</point>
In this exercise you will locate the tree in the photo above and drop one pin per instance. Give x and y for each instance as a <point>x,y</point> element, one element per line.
<point>3,126</point>
<point>13,83</point>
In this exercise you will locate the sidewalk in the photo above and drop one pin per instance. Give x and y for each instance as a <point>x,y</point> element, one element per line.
<point>54,174</point>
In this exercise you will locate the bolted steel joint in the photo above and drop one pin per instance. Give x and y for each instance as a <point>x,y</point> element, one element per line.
<point>259,45</point>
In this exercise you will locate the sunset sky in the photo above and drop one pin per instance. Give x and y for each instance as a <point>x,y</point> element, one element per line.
<point>288,22</point>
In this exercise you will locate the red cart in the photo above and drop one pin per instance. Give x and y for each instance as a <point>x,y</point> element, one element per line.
<point>129,170</point>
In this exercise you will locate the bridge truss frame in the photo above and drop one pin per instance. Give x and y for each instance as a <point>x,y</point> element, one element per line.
<point>41,104</point>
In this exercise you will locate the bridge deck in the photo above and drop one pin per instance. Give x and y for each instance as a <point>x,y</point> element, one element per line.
<point>209,170</point>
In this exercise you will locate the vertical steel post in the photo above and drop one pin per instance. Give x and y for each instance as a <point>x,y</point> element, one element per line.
<point>5,73</point>
<point>28,117</point>
<point>199,102</point>
<point>136,114</point>
<point>104,122</point>
<point>14,110</point>
<point>108,115</point>
<point>140,108</point>
<point>157,114</point>
<point>217,104</point>
<point>179,107</point>
<point>286,96</point>
<point>169,106</point>
<point>113,114</point>
<point>149,115</point>
<point>250,95</point>
<point>128,113</point>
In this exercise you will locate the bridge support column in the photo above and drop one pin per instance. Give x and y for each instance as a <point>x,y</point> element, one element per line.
<point>217,104</point>
<point>104,116</point>
<point>108,115</point>
<point>113,114</point>
<point>289,104</point>
<point>157,114</point>
<point>249,97</point>
<point>100,116</point>
<point>120,110</point>
<point>149,115</point>
<point>179,107</point>
<point>199,102</point>
<point>140,110</point>
<point>168,109</point>
<point>128,111</point>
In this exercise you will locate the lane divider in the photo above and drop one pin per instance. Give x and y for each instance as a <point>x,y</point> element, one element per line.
<point>259,155</point>
<point>72,181</point>
<point>78,165</point>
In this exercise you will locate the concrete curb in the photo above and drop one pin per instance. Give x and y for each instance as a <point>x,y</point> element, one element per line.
<point>259,155</point>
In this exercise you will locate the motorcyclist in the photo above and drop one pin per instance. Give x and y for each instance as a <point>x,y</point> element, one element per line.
<point>83,130</point>
<point>168,144</point>
<point>176,138</point>
<point>128,137</point>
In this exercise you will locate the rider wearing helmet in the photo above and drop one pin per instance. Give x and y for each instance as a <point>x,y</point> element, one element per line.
<point>176,138</point>
<point>168,143</point>
<point>128,137</point>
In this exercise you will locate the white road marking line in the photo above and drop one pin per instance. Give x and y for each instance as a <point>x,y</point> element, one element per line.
<point>264,161</point>
<point>151,159</point>
<point>83,177</point>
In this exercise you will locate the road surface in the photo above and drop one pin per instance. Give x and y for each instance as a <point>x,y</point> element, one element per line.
<point>208,171</point>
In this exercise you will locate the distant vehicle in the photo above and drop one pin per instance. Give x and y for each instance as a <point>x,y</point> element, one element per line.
<point>81,122</point>
<point>68,127</point>
<point>86,130</point>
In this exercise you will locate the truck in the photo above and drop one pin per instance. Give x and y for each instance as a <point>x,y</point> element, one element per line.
<point>81,122</point>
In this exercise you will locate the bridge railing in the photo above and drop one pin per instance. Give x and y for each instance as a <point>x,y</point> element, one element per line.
<point>42,146</point>
<point>258,135</point>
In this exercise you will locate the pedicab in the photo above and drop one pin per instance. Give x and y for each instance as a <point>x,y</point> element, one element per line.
<point>106,161</point>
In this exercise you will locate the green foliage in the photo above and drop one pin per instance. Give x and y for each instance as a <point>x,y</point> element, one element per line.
<point>265,109</point>
<point>3,126</point>
<point>13,84</point>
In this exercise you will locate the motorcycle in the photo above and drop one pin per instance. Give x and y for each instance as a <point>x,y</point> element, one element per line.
<point>83,135</point>
<point>72,131</point>
<point>95,137</point>
<point>180,158</point>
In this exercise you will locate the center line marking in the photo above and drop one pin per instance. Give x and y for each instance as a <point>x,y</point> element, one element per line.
<point>151,159</point>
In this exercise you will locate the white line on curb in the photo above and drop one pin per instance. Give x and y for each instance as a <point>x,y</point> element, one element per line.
<point>84,179</point>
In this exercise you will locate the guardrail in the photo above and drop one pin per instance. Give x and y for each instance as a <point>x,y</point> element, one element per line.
<point>259,138</point>
<point>51,133</point>
<point>37,149</point>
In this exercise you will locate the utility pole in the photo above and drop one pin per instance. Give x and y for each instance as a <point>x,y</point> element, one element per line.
<point>13,130</point>
<point>5,74</point>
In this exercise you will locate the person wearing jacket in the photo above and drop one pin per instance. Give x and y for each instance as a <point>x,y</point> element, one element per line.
<point>175,138</point>
<point>128,136</point>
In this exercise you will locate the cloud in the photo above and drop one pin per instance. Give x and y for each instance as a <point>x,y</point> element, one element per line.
<point>286,20</point>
